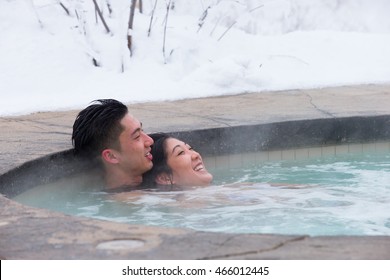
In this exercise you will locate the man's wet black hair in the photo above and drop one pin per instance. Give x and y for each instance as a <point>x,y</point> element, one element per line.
<point>97,127</point>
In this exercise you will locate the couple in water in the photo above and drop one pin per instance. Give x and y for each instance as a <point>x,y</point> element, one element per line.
<point>106,133</point>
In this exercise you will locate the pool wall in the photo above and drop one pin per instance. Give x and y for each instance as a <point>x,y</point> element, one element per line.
<point>232,147</point>
<point>258,126</point>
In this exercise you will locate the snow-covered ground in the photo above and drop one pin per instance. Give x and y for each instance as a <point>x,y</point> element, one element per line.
<point>46,55</point>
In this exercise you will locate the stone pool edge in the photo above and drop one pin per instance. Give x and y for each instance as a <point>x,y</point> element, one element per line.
<point>32,233</point>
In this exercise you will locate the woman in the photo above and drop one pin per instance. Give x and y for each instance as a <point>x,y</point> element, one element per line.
<point>175,163</point>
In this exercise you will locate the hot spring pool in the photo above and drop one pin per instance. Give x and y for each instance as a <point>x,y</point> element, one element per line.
<point>334,195</point>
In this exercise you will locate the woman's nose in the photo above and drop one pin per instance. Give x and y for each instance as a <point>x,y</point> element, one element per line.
<point>195,154</point>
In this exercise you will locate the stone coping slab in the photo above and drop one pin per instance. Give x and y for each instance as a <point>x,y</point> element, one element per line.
<point>32,233</point>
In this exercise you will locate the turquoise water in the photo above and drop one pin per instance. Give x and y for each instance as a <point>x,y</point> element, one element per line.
<point>338,195</point>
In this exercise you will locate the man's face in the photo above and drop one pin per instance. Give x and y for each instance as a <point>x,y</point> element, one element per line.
<point>134,156</point>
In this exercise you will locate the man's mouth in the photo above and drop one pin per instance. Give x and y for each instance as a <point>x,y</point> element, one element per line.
<point>149,156</point>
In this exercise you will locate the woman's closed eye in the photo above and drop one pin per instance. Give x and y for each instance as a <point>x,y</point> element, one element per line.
<point>181,149</point>
<point>189,147</point>
<point>182,152</point>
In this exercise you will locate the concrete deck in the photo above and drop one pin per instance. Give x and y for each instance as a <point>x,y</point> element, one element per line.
<point>29,233</point>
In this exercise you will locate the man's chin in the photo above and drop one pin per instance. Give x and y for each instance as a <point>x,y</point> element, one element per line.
<point>149,166</point>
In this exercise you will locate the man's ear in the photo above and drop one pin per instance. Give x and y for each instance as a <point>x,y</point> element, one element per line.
<point>164,179</point>
<point>109,156</point>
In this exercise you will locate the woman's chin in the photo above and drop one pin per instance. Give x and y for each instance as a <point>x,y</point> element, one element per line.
<point>206,179</point>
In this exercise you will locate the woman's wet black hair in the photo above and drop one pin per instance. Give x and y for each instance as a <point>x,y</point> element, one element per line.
<point>98,127</point>
<point>160,164</point>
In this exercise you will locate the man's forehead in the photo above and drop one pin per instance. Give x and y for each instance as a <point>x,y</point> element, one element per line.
<point>130,121</point>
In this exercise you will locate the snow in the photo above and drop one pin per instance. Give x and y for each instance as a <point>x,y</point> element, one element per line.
<point>242,46</point>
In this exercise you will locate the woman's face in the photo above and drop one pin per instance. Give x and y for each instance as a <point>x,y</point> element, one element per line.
<point>186,164</point>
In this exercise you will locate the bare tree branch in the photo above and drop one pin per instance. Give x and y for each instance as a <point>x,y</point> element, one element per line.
<point>83,31</point>
<point>165,29</point>
<point>256,8</point>
<point>109,6</point>
<point>140,6</point>
<point>96,16</point>
<point>65,8</point>
<point>130,26</point>
<point>230,26</point>
<point>97,9</point>
<point>215,26</point>
<point>36,14</point>
<point>223,34</point>
<point>151,18</point>
<point>202,18</point>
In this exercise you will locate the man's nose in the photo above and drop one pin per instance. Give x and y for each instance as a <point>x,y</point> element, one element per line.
<point>148,140</point>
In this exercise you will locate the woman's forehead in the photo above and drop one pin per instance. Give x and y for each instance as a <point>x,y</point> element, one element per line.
<point>174,142</point>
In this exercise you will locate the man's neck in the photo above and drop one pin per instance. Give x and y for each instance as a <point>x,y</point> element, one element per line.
<point>116,181</point>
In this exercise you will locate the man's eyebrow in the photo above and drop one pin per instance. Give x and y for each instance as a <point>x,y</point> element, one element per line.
<point>137,129</point>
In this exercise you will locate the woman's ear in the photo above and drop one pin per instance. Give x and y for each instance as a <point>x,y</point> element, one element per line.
<point>164,179</point>
<point>109,156</point>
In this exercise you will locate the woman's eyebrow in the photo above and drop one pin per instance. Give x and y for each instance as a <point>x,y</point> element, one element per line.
<point>174,148</point>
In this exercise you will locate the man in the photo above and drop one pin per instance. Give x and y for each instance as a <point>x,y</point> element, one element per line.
<point>107,132</point>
